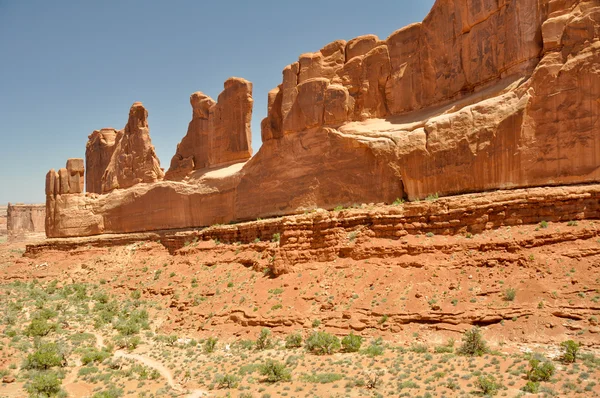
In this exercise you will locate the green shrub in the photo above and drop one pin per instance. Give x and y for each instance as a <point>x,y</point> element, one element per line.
<point>544,224</point>
<point>487,384</point>
<point>276,237</point>
<point>374,349</point>
<point>570,349</point>
<point>94,355</point>
<point>531,387</point>
<point>127,327</point>
<point>352,343</point>
<point>128,342</point>
<point>322,378</point>
<point>322,343</point>
<point>112,392</point>
<point>39,327</point>
<point>226,381</point>
<point>274,371</point>
<point>540,371</point>
<point>293,340</point>
<point>46,356</point>
<point>44,384</point>
<point>510,294</point>
<point>210,345</point>
<point>264,341</point>
<point>448,348</point>
<point>473,343</point>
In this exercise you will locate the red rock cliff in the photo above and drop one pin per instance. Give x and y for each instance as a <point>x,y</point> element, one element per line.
<point>219,133</point>
<point>481,95</point>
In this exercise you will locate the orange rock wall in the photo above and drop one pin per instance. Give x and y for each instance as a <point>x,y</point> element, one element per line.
<point>219,133</point>
<point>482,95</point>
<point>25,221</point>
<point>3,230</point>
<point>98,152</point>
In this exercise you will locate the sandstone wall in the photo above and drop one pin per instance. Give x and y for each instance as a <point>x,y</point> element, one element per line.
<point>25,222</point>
<point>219,133</point>
<point>482,95</point>
<point>3,230</point>
<point>98,152</point>
<point>133,160</point>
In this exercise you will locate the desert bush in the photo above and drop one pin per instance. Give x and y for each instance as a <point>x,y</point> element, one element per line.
<point>128,342</point>
<point>374,349</point>
<point>274,371</point>
<point>539,371</point>
<point>293,340</point>
<point>510,294</point>
<point>487,384</point>
<point>473,343</point>
<point>264,340</point>
<point>448,348</point>
<point>531,387</point>
<point>570,350</point>
<point>352,343</point>
<point>94,355</point>
<point>210,345</point>
<point>46,356</point>
<point>112,392</point>
<point>226,381</point>
<point>321,378</point>
<point>322,343</point>
<point>44,384</point>
<point>39,327</point>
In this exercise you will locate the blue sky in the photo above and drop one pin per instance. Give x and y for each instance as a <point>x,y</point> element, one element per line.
<point>70,67</point>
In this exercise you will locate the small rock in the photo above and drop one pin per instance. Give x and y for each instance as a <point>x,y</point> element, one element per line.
<point>418,295</point>
<point>8,379</point>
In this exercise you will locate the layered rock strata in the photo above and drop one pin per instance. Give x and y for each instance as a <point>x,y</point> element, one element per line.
<point>482,95</point>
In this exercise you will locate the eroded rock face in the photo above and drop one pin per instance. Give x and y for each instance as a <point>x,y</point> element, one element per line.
<point>98,152</point>
<point>25,221</point>
<point>133,160</point>
<point>461,47</point>
<point>219,133</point>
<point>481,95</point>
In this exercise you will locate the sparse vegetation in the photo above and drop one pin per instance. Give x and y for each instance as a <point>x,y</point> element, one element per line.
<point>473,343</point>
<point>570,351</point>
<point>322,343</point>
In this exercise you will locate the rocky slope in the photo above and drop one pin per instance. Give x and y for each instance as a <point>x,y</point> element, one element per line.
<point>441,264</point>
<point>481,95</point>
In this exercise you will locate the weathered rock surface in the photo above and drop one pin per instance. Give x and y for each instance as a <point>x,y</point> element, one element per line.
<point>482,95</point>
<point>3,230</point>
<point>133,160</point>
<point>219,133</point>
<point>98,152</point>
<point>25,222</point>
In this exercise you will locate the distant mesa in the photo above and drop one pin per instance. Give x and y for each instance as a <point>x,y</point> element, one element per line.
<point>479,96</point>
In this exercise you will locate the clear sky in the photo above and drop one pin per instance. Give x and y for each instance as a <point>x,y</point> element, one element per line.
<point>70,67</point>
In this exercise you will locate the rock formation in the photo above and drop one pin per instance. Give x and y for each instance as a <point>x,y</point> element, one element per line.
<point>133,160</point>
<point>481,95</point>
<point>3,230</point>
<point>98,152</point>
<point>25,222</point>
<point>219,133</point>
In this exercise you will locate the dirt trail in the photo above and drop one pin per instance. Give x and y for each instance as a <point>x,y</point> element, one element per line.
<point>151,363</point>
